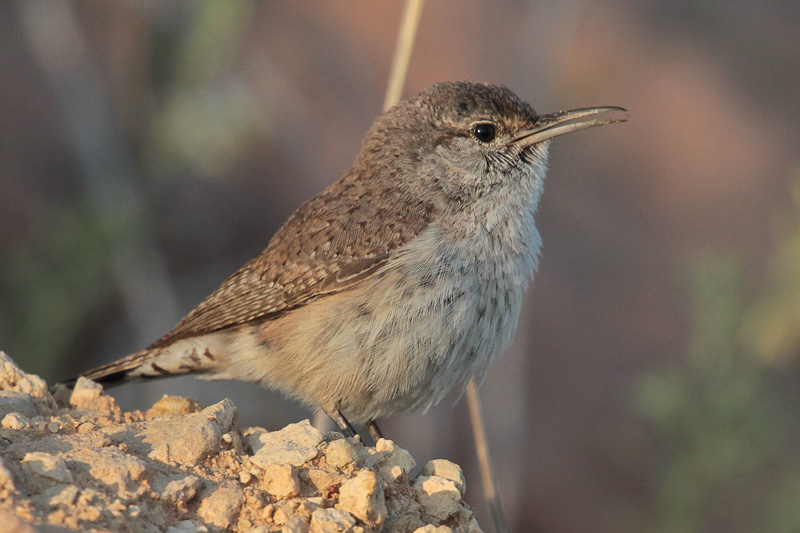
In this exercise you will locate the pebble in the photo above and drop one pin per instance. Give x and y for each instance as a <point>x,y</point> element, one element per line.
<point>438,496</point>
<point>295,444</point>
<point>47,465</point>
<point>281,480</point>
<point>331,521</point>
<point>448,470</point>
<point>16,421</point>
<point>363,497</point>
<point>342,453</point>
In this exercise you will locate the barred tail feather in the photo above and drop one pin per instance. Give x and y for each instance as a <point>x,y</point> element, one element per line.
<point>119,371</point>
<point>182,357</point>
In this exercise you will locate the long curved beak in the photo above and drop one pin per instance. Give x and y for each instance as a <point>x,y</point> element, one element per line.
<point>562,122</point>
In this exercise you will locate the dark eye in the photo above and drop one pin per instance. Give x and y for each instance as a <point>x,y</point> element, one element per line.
<point>484,131</point>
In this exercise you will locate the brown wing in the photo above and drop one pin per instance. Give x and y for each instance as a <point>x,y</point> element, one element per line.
<point>329,244</point>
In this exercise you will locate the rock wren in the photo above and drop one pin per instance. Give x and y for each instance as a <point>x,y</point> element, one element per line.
<point>399,283</point>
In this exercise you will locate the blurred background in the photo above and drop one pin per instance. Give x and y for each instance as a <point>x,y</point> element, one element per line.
<point>148,149</point>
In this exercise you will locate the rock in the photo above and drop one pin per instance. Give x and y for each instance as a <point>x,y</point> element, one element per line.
<point>13,524</point>
<point>433,529</point>
<point>322,480</point>
<point>281,480</point>
<point>390,460</point>
<point>222,506</point>
<point>331,521</point>
<point>64,495</point>
<point>85,392</point>
<point>363,497</point>
<point>186,526</point>
<point>17,403</point>
<point>46,465</point>
<point>84,464</point>
<point>448,470</point>
<point>174,405</point>
<point>111,467</point>
<point>295,444</point>
<point>178,488</point>
<point>13,378</point>
<point>342,453</point>
<point>89,396</point>
<point>6,480</point>
<point>438,496</point>
<point>16,421</point>
<point>468,520</point>
<point>182,440</point>
<point>296,524</point>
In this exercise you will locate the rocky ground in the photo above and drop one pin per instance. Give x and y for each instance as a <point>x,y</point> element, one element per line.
<point>74,460</point>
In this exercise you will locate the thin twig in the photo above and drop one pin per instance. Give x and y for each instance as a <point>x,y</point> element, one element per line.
<point>402,52</point>
<point>482,448</point>
<point>397,79</point>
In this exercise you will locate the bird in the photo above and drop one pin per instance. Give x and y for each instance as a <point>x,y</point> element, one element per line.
<point>399,283</point>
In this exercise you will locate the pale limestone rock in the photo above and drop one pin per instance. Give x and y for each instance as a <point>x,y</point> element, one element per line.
<point>179,488</point>
<point>60,495</point>
<point>111,466</point>
<point>438,496</point>
<point>6,479</point>
<point>46,465</point>
<point>16,421</point>
<point>395,455</point>
<point>281,480</point>
<point>390,460</point>
<point>296,524</point>
<point>19,403</point>
<point>9,523</point>
<point>295,444</point>
<point>282,513</point>
<point>86,470</point>
<point>342,453</point>
<point>245,477</point>
<point>331,521</point>
<point>362,497</point>
<point>85,391</point>
<point>306,508</point>
<point>13,378</point>
<point>322,480</point>
<point>446,469</point>
<point>174,405</point>
<point>89,395</point>
<point>465,516</point>
<point>433,529</point>
<point>86,427</point>
<point>186,526</point>
<point>221,508</point>
<point>184,440</point>
<point>268,511</point>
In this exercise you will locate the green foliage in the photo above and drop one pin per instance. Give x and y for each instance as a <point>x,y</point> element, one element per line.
<point>723,432</point>
<point>772,327</point>
<point>53,286</point>
<point>205,115</point>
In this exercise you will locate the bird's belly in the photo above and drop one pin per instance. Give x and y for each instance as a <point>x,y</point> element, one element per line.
<point>401,340</point>
<point>443,336</point>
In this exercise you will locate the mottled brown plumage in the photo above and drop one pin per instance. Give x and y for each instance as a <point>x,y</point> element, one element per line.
<point>329,244</point>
